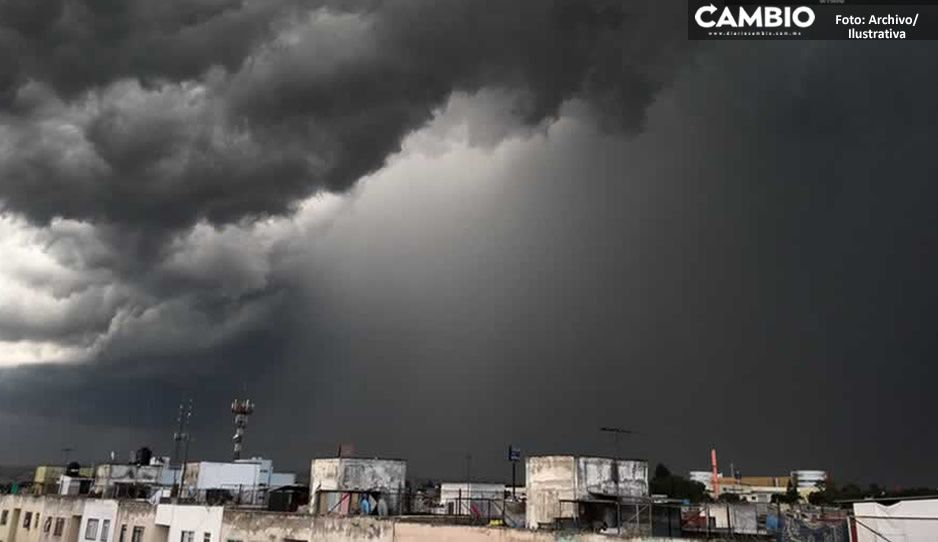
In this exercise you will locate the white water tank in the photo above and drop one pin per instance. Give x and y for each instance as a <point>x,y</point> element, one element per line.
<point>809,479</point>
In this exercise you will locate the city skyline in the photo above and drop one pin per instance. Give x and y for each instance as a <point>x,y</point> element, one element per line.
<point>434,229</point>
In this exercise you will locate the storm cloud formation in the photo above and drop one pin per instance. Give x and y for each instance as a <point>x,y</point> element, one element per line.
<point>156,117</point>
<point>433,228</point>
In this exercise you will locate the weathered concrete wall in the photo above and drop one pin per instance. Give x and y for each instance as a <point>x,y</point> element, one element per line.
<point>595,475</point>
<point>140,515</point>
<point>414,532</point>
<point>555,478</point>
<point>260,526</point>
<point>201,520</point>
<point>40,508</point>
<point>104,512</point>
<point>351,529</point>
<point>353,474</point>
<point>549,479</point>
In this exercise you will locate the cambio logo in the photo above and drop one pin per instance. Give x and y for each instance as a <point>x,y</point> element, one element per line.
<point>758,17</point>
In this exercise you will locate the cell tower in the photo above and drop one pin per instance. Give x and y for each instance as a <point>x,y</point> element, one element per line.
<point>241,409</point>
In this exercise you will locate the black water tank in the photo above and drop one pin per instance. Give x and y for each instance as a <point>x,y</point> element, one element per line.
<point>143,456</point>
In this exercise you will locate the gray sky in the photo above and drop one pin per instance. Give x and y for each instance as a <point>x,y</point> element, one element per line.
<point>435,228</point>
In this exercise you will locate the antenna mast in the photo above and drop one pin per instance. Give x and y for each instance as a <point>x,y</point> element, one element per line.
<point>241,409</point>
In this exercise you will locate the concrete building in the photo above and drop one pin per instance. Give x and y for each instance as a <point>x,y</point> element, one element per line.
<point>49,518</point>
<point>245,481</point>
<point>136,522</point>
<point>347,485</point>
<point>190,522</point>
<point>582,490</point>
<point>807,482</point>
<point>112,480</point>
<point>47,479</point>
<point>98,521</point>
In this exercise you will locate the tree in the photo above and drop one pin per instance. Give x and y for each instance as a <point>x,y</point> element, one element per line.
<point>729,497</point>
<point>791,495</point>
<point>675,486</point>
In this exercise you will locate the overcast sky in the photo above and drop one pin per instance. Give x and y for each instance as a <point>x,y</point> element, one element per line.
<point>434,228</point>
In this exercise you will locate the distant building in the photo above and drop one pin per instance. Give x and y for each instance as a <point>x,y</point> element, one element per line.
<point>121,480</point>
<point>47,479</point>
<point>761,489</point>
<point>245,481</point>
<point>582,490</point>
<point>807,482</point>
<point>352,486</point>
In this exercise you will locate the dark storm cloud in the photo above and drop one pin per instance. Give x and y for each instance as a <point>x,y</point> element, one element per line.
<point>222,110</point>
<point>751,271</point>
<point>81,44</point>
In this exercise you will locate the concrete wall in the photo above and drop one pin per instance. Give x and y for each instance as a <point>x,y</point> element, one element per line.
<point>549,479</point>
<point>67,509</point>
<point>416,532</point>
<point>142,515</point>
<point>104,513</point>
<point>555,478</point>
<point>595,475</point>
<point>206,475</point>
<point>352,475</point>
<point>204,521</point>
<point>261,526</point>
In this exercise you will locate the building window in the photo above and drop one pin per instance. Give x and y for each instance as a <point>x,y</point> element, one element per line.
<point>36,523</point>
<point>206,537</point>
<point>59,527</point>
<point>27,520</point>
<point>137,535</point>
<point>123,535</point>
<point>187,536</point>
<point>105,527</point>
<point>47,526</point>
<point>91,530</point>
<point>3,517</point>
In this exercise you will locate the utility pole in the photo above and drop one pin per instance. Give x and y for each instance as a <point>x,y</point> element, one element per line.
<point>514,455</point>
<point>616,432</point>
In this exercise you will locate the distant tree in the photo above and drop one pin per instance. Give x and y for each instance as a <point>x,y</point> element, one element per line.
<point>675,486</point>
<point>790,496</point>
<point>832,493</point>
<point>729,497</point>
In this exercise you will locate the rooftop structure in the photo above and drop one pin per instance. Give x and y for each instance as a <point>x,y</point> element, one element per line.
<point>348,485</point>
<point>245,481</point>
<point>582,489</point>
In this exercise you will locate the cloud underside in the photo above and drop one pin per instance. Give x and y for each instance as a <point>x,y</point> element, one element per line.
<point>369,213</point>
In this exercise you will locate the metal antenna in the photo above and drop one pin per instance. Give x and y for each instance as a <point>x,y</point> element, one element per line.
<point>241,409</point>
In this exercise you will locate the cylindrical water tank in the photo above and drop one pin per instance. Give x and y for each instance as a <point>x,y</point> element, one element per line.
<point>806,479</point>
